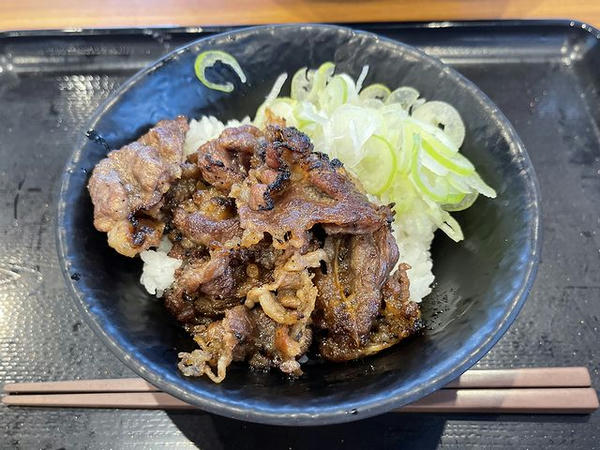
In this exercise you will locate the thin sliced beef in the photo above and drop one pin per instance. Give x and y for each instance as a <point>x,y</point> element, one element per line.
<point>128,185</point>
<point>208,218</point>
<point>289,189</point>
<point>203,230</point>
<point>225,160</point>
<point>221,342</point>
<point>350,284</point>
<point>277,345</point>
<point>399,318</point>
<point>244,334</point>
<point>206,286</point>
<point>209,283</point>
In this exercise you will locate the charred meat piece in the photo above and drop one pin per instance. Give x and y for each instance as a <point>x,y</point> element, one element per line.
<point>225,161</point>
<point>350,284</point>
<point>202,229</point>
<point>204,215</point>
<point>277,345</point>
<point>289,189</point>
<point>206,286</point>
<point>127,186</point>
<point>399,318</point>
<point>209,283</point>
<point>244,335</point>
<point>221,342</point>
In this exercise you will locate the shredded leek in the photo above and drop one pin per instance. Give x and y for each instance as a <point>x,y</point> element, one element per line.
<point>208,59</point>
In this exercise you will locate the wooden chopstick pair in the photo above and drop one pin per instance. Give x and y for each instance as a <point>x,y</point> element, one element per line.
<point>555,390</point>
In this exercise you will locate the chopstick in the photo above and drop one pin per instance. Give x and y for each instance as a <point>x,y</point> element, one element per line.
<point>105,385</point>
<point>538,377</point>
<point>505,401</point>
<point>534,377</point>
<point>558,390</point>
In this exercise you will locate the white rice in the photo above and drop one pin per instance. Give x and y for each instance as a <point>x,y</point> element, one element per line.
<point>159,269</point>
<point>413,232</point>
<point>205,129</point>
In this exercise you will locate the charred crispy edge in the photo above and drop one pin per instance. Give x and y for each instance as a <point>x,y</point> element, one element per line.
<point>418,325</point>
<point>133,220</point>
<point>284,172</point>
<point>336,163</point>
<point>140,232</point>
<point>262,150</point>
<point>389,215</point>
<point>322,160</point>
<point>223,201</point>
<point>283,175</point>
<point>208,157</point>
<point>290,138</point>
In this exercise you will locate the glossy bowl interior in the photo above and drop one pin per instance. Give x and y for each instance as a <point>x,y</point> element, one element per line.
<point>481,283</point>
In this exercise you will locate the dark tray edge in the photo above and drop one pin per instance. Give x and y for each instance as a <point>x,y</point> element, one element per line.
<point>500,23</point>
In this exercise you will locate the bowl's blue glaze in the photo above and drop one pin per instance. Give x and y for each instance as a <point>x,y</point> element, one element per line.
<point>481,282</point>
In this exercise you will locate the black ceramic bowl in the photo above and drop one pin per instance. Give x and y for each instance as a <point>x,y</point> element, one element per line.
<point>481,282</point>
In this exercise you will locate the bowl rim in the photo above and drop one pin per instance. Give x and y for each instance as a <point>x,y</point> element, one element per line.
<point>375,404</point>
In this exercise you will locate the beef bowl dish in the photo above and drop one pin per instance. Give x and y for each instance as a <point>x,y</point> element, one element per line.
<point>299,224</point>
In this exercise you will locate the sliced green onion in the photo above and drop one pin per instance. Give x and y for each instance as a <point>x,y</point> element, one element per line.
<point>430,132</point>
<point>350,86</point>
<point>378,166</point>
<point>405,96</point>
<point>334,95</point>
<point>434,187</point>
<point>307,112</point>
<point>477,183</point>
<point>300,85</point>
<point>456,162</point>
<point>373,103</point>
<point>284,108</point>
<point>271,97</point>
<point>320,79</point>
<point>276,89</point>
<point>208,59</point>
<point>411,142</point>
<point>465,203</point>
<point>459,183</point>
<point>431,162</point>
<point>451,227</point>
<point>441,114</point>
<point>361,78</point>
<point>375,92</point>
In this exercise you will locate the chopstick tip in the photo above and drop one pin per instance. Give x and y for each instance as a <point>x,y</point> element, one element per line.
<point>9,387</point>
